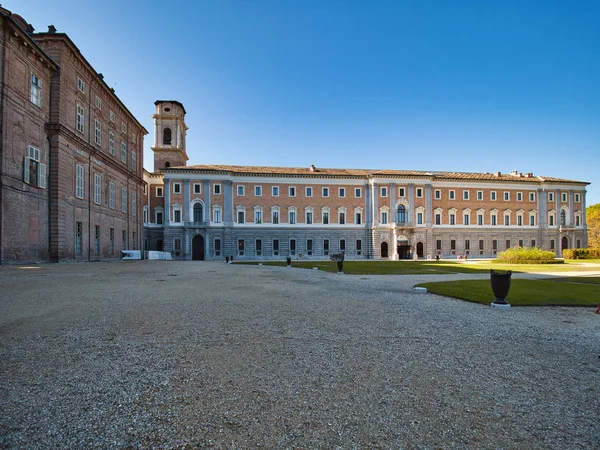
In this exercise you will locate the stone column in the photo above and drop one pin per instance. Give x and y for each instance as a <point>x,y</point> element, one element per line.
<point>177,139</point>
<point>395,244</point>
<point>571,209</point>
<point>228,203</point>
<point>206,246</point>
<point>167,194</point>
<point>368,206</point>
<point>186,201</point>
<point>583,202</point>
<point>411,203</point>
<point>207,205</point>
<point>188,249</point>
<point>393,201</point>
<point>156,134</point>
<point>428,206</point>
<point>375,201</point>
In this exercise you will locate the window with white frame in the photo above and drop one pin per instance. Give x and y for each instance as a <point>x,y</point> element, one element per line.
<point>308,213</point>
<point>493,195</point>
<point>357,192</point>
<point>292,247</point>
<point>532,196</point>
<point>292,215</point>
<point>197,188</point>
<point>275,247</point>
<point>506,218</point>
<point>176,188</point>
<point>325,216</point>
<point>466,216</point>
<point>240,190</point>
<point>111,195</point>
<point>342,245</point>
<point>123,152</point>
<point>479,218</point>
<point>465,195</point>
<point>241,247</point>
<point>519,196</point>
<point>217,247</point>
<point>342,216</point>
<point>578,220</point>
<point>506,196</point>
<point>198,212</point>
<point>419,217</point>
<point>520,218</point>
<point>159,191</point>
<point>111,143</point>
<point>291,191</point>
<point>438,217</point>
<point>258,191</point>
<point>79,118</point>
<point>494,217</point>
<point>133,162</point>
<point>123,199</point>
<point>419,192</point>
<point>146,214</point>
<point>158,215</point>
<point>176,213</point>
<point>437,194</point>
<point>384,216</point>
<point>563,197</point>
<point>258,247</point>
<point>452,217</point>
<point>275,191</point>
<point>577,198</point>
<point>241,214</point>
<point>532,219</point>
<point>217,217</point>
<point>79,181</point>
<point>384,191</point>
<point>134,205</point>
<point>341,192</point>
<point>308,191</point>
<point>123,127</point>
<point>358,216</point>
<point>258,214</point>
<point>563,217</point>
<point>80,85</point>
<point>552,218</point>
<point>98,132</point>
<point>451,195</point>
<point>479,195</point>
<point>97,189</point>
<point>402,193</point>
<point>275,214</point>
<point>550,196</point>
<point>358,247</point>
<point>111,116</point>
<point>216,189</point>
<point>325,192</point>
<point>98,102</point>
<point>36,90</point>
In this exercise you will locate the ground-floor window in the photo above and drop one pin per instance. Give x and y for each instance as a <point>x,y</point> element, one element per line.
<point>217,247</point>
<point>309,247</point>
<point>552,245</point>
<point>438,244</point>
<point>124,240</point>
<point>177,247</point>
<point>134,241</point>
<point>78,234</point>
<point>111,241</point>
<point>326,247</point>
<point>342,245</point>
<point>467,244</point>
<point>507,244</point>
<point>495,246</point>
<point>241,246</point>
<point>159,245</point>
<point>275,247</point>
<point>358,247</point>
<point>292,246</point>
<point>532,243</point>
<point>578,244</point>
<point>97,240</point>
<point>521,243</point>
<point>453,246</point>
<point>258,247</point>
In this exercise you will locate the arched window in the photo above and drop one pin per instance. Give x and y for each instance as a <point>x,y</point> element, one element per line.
<point>198,213</point>
<point>167,136</point>
<point>167,164</point>
<point>401,214</point>
<point>563,217</point>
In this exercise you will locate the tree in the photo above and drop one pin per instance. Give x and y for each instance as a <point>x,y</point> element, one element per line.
<point>592,214</point>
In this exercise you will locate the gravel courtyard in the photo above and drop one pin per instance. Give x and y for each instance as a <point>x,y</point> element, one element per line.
<point>169,354</point>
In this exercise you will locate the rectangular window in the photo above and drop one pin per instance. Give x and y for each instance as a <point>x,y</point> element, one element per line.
<point>552,244</point>
<point>325,218</point>
<point>577,220</point>
<point>402,192</point>
<point>308,192</point>
<point>452,244</point>
<point>176,215</point>
<point>241,246</point>
<point>309,217</point>
<point>159,191</point>
<point>111,241</point>
<point>274,216</point>
<point>507,196</point>
<point>111,116</point>
<point>292,217</point>
<point>240,216</point>
<point>551,220</point>
<point>452,219</point>
<point>532,196</point>
<point>384,217</point>
<point>520,220</point>
<point>342,245</point>
<point>217,247</point>
<point>36,91</point>
<point>438,219</point>
<point>326,247</point>
<point>466,219</point>
<point>465,195</point>
<point>123,127</point>
<point>357,192</point>
<point>124,241</point>
<point>257,191</point>
<point>420,218</point>
<point>292,247</point>
<point>532,220</point>
<point>133,162</point>
<point>481,244</point>
<point>134,206</point>
<point>479,195</point>
<point>550,196</point>
<point>123,200</point>
<point>292,191</point>
<point>98,132</point>
<point>532,243</point>
<point>216,189</point>
<point>258,247</point>
<point>176,188</point>
<point>79,181</point>
<point>342,218</point>
<point>467,244</point>
<point>97,240</point>
<point>240,190</point>
<point>438,244</point>
<point>111,143</point>
<point>451,195</point>
<point>507,244</point>
<point>521,244</point>
<point>384,191</point>
<point>309,247</point>
<point>577,198</point>
<point>98,102</point>
<point>494,219</point>
<point>97,189</point>
<point>507,220</point>
<point>275,191</point>
<point>177,246</point>
<point>80,85</point>
<point>358,247</point>
<point>578,243</point>
<point>217,216</point>
<point>358,218</point>
<point>495,244</point>
<point>111,195</point>
<point>159,217</point>
<point>197,188</point>
<point>78,236</point>
<point>275,247</point>
<point>342,192</point>
<point>124,152</point>
<point>79,118</point>
<point>519,196</point>
<point>258,216</point>
<point>438,194</point>
<point>479,219</point>
<point>564,197</point>
<point>325,192</point>
<point>493,195</point>
<point>419,192</point>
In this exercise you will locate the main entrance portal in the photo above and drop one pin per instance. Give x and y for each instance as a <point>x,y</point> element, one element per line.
<point>198,248</point>
<point>403,249</point>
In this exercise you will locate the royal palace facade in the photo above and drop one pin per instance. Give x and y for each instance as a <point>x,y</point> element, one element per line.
<point>210,212</point>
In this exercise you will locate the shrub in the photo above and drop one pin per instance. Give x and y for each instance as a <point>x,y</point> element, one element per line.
<point>581,253</point>
<point>520,255</point>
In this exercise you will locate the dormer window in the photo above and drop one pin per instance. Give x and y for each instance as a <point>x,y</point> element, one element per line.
<point>167,164</point>
<point>167,136</point>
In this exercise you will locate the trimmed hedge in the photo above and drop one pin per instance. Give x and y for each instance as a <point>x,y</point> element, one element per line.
<point>581,253</point>
<point>520,255</point>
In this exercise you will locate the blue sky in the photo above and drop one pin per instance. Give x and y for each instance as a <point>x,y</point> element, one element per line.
<point>479,86</point>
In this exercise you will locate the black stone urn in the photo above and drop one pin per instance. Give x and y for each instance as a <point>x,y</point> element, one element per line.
<point>340,264</point>
<point>500,286</point>
<point>339,260</point>
<point>289,261</point>
<point>227,259</point>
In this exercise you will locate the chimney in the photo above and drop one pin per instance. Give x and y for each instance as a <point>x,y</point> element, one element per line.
<point>29,28</point>
<point>498,174</point>
<point>101,76</point>
<point>514,173</point>
<point>529,175</point>
<point>313,168</point>
<point>51,29</point>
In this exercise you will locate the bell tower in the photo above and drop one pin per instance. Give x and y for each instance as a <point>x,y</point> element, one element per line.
<point>169,135</point>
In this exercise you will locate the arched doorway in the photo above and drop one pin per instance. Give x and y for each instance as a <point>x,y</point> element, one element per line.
<point>384,250</point>
<point>420,249</point>
<point>564,243</point>
<point>198,248</point>
<point>403,247</point>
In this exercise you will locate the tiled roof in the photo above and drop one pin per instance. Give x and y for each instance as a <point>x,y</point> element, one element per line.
<point>373,173</point>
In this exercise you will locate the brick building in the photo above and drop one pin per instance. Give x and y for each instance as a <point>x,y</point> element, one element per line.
<point>70,153</point>
<point>208,212</point>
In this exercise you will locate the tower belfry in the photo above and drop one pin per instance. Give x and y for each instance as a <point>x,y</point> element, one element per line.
<point>169,135</point>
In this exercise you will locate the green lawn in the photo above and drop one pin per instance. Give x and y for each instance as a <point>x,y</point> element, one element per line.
<point>433,267</point>
<point>585,280</point>
<point>522,292</point>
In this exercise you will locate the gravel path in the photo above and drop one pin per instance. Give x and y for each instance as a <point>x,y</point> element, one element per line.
<point>187,355</point>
